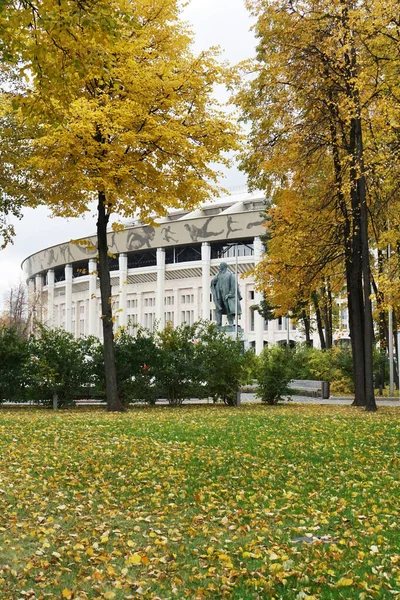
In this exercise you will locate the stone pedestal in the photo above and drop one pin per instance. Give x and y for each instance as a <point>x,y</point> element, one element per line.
<point>230,331</point>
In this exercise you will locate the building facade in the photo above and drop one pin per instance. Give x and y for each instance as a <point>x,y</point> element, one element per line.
<point>159,273</point>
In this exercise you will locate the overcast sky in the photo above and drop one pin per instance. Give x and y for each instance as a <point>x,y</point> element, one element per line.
<point>224,23</point>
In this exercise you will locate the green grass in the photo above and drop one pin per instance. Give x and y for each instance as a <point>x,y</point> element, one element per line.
<point>206,500</point>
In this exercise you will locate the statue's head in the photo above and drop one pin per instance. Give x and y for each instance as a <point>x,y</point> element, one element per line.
<point>223,266</point>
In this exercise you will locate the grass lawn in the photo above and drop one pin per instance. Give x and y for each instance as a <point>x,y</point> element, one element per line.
<point>200,502</point>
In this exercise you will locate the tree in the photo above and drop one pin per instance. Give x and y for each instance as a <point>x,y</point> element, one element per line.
<point>119,111</point>
<point>319,84</point>
<point>14,364</point>
<point>15,313</point>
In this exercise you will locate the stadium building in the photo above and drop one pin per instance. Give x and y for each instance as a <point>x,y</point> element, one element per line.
<point>158,274</point>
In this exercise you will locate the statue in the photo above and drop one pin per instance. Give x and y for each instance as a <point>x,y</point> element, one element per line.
<point>225,291</point>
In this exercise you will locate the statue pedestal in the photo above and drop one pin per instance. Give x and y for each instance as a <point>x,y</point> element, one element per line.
<point>230,331</point>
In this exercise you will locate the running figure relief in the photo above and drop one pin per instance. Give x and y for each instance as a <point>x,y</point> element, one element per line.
<point>167,234</point>
<point>201,232</point>
<point>231,229</point>
<point>139,239</point>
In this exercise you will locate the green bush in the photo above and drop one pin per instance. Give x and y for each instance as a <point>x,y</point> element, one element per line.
<point>178,373</point>
<point>274,372</point>
<point>14,364</point>
<point>60,365</point>
<point>224,364</point>
<point>334,365</point>
<point>189,361</point>
<point>137,358</point>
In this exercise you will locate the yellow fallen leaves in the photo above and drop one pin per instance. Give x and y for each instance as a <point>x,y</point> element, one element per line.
<point>135,559</point>
<point>344,582</point>
<point>199,503</point>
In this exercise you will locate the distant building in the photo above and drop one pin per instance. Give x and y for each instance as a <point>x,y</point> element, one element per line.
<point>159,274</point>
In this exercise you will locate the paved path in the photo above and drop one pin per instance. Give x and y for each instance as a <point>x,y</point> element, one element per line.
<point>341,400</point>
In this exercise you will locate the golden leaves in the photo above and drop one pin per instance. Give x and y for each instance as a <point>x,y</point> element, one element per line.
<point>131,116</point>
<point>203,502</point>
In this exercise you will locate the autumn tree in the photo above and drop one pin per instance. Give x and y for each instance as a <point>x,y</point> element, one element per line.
<point>15,310</point>
<point>318,83</point>
<point>120,111</point>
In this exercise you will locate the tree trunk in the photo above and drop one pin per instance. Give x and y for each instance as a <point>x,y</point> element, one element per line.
<point>366,272</point>
<point>327,314</point>
<point>307,327</point>
<point>352,252</point>
<point>356,324</point>
<point>319,321</point>
<point>113,401</point>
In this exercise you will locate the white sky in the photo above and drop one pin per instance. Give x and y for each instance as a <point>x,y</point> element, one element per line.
<point>224,23</point>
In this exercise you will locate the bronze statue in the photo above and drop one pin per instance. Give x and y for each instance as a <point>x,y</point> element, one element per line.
<point>225,292</point>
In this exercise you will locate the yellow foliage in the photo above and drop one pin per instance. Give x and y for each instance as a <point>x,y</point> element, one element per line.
<point>129,115</point>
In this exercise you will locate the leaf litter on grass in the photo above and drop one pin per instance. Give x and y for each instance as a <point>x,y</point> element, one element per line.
<point>204,502</point>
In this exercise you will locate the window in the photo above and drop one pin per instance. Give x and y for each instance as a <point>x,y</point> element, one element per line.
<point>145,258</point>
<point>224,250</point>
<point>252,313</point>
<point>80,268</point>
<point>183,254</point>
<point>251,294</point>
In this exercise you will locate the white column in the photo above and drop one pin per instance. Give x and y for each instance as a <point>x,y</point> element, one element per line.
<point>50,298</point>
<point>68,298</point>
<point>123,287</point>
<point>205,279</point>
<point>92,305</point>
<point>139,308</point>
<point>177,305</point>
<point>196,304</point>
<point>31,303</point>
<point>160,295</point>
<point>77,331</point>
<point>258,319</point>
<point>39,296</point>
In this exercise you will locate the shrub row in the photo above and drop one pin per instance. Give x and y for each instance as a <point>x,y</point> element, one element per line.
<point>189,361</point>
<point>196,361</point>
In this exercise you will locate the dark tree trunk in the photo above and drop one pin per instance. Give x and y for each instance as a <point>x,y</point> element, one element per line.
<point>356,322</point>
<point>113,401</point>
<point>319,321</point>
<point>327,314</point>
<point>366,271</point>
<point>307,327</point>
<point>352,253</point>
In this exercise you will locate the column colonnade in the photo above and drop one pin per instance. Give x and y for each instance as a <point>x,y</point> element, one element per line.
<point>202,303</point>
